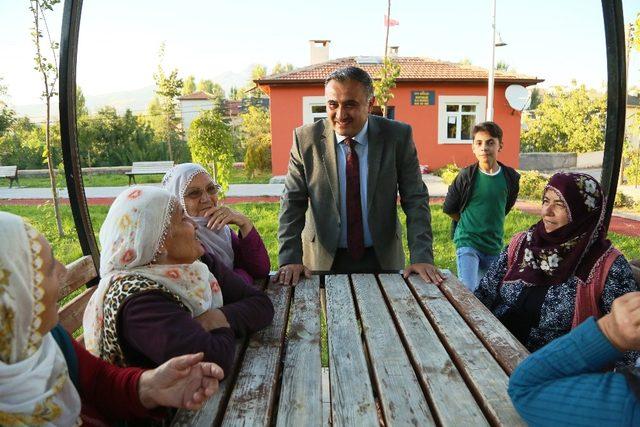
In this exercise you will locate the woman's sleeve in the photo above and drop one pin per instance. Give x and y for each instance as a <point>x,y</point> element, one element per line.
<point>619,281</point>
<point>562,383</point>
<point>247,308</point>
<point>250,254</point>
<point>487,290</point>
<point>111,390</point>
<point>155,325</point>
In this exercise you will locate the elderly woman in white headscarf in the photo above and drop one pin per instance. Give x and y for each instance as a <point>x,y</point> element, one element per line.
<point>197,192</point>
<point>155,299</point>
<point>46,377</point>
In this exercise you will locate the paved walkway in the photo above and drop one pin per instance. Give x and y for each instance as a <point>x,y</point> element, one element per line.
<point>621,222</point>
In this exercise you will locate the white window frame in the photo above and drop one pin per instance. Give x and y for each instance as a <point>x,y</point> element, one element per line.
<point>481,108</point>
<point>308,116</point>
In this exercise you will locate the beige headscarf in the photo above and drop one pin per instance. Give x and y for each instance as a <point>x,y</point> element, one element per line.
<point>131,237</point>
<point>35,388</point>
<point>216,242</point>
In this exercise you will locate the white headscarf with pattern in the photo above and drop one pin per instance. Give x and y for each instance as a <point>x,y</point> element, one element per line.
<point>216,242</point>
<point>131,237</point>
<point>35,388</point>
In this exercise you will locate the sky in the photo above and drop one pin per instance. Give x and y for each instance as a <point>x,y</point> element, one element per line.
<point>558,41</point>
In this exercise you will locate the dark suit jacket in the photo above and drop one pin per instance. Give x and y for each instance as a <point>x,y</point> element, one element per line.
<point>311,236</point>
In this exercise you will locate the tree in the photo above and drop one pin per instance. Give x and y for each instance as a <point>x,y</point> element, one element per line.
<point>503,66</point>
<point>256,134</point>
<point>235,94</point>
<point>211,88</point>
<point>7,115</point>
<point>567,121</point>
<point>536,98</point>
<point>210,142</point>
<point>22,144</point>
<point>281,68</point>
<point>48,69</point>
<point>388,73</point>
<point>168,87</point>
<point>81,103</point>
<point>257,72</point>
<point>189,85</point>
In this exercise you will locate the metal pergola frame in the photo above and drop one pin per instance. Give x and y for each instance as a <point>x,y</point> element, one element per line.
<point>614,133</point>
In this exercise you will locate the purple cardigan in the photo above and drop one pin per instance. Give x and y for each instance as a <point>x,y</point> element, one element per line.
<point>152,327</point>
<point>250,257</point>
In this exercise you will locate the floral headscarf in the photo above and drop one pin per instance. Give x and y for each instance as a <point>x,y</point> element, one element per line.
<point>131,237</point>
<point>552,258</point>
<point>216,242</point>
<point>35,388</point>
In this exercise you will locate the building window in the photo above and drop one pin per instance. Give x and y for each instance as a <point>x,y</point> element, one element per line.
<point>456,117</point>
<point>314,108</point>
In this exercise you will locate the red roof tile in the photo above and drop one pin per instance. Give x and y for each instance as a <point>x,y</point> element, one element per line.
<point>411,69</point>
<point>196,96</point>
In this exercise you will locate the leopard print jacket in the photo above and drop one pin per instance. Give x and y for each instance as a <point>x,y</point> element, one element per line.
<point>120,290</point>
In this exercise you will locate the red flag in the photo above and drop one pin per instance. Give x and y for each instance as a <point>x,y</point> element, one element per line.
<point>390,22</point>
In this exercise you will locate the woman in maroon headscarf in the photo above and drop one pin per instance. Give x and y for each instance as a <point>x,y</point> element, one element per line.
<point>561,270</point>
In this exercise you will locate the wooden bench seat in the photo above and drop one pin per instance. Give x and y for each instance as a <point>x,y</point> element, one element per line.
<point>11,173</point>
<point>79,273</point>
<point>148,168</point>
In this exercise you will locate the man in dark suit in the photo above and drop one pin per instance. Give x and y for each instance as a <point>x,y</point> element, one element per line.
<point>348,169</point>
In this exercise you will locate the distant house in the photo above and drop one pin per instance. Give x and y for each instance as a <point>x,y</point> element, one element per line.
<point>192,105</point>
<point>440,100</point>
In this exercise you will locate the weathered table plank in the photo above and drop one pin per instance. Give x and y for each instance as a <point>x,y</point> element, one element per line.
<point>252,399</point>
<point>301,391</point>
<point>352,400</point>
<point>506,349</point>
<point>452,402</point>
<point>402,399</point>
<point>483,374</point>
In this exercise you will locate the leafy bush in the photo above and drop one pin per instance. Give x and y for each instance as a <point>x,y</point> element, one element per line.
<point>448,173</point>
<point>256,132</point>
<point>623,201</point>
<point>532,185</point>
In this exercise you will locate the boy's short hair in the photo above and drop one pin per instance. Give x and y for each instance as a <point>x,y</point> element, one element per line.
<point>490,127</point>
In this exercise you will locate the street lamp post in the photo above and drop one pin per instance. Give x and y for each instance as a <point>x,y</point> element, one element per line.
<point>493,61</point>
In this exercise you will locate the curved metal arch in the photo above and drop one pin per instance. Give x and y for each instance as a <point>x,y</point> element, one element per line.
<point>68,129</point>
<point>614,133</point>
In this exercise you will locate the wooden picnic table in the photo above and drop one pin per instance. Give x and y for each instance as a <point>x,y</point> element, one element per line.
<point>400,352</point>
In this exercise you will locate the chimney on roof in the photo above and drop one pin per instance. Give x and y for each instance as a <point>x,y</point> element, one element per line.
<point>392,51</point>
<point>319,51</point>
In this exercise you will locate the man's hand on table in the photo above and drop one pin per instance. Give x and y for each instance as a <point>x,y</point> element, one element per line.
<point>290,274</point>
<point>428,272</point>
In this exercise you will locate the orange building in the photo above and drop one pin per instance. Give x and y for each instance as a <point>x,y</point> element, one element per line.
<point>440,100</point>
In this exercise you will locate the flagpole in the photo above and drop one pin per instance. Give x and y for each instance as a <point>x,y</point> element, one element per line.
<point>386,40</point>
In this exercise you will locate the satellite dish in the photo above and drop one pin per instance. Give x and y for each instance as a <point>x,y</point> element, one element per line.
<point>517,97</point>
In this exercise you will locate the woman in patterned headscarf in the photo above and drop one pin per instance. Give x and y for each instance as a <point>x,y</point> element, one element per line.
<point>155,299</point>
<point>560,271</point>
<point>244,253</point>
<point>46,378</point>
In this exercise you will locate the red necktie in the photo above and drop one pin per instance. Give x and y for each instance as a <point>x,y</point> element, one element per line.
<point>355,231</point>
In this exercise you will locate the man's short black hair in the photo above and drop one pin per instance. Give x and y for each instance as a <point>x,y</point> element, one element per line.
<point>489,127</point>
<point>355,74</point>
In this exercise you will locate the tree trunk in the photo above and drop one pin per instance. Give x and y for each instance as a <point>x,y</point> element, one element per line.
<point>169,137</point>
<point>52,175</point>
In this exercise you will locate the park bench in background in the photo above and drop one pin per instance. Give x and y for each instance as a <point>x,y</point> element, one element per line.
<point>10,172</point>
<point>79,273</point>
<point>148,168</point>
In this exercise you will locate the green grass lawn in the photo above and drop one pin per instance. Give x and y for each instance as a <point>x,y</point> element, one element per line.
<point>238,176</point>
<point>265,218</point>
